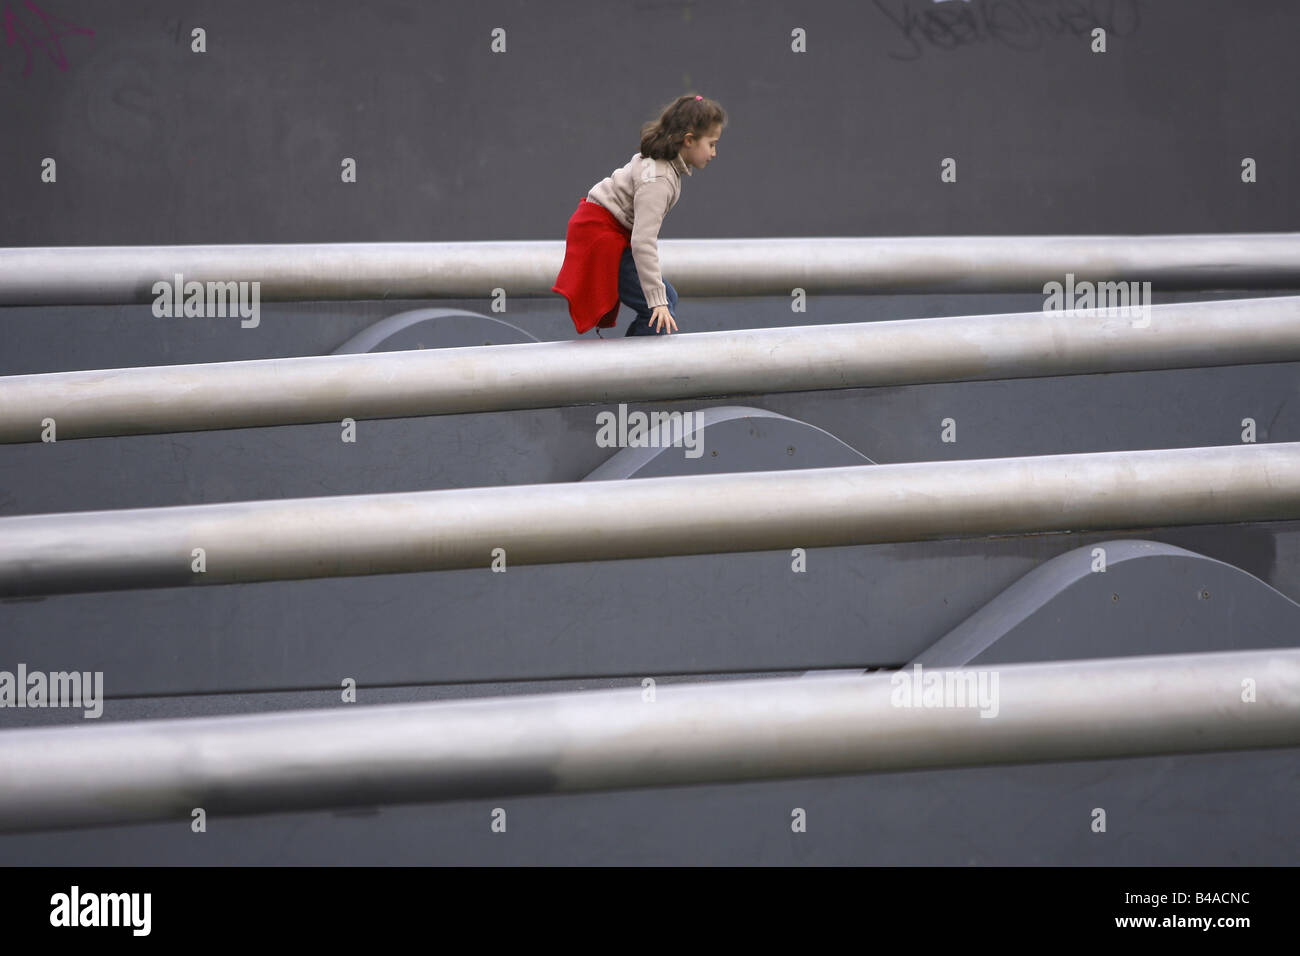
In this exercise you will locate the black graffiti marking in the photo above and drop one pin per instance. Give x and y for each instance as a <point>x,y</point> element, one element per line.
<point>1021,25</point>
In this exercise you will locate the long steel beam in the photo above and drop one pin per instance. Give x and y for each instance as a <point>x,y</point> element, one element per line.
<point>132,772</point>
<point>643,518</point>
<point>699,267</point>
<point>484,379</point>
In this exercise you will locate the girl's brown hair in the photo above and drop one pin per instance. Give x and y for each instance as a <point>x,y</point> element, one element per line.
<point>663,138</point>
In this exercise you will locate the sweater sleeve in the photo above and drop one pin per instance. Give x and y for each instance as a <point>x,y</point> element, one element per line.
<point>650,205</point>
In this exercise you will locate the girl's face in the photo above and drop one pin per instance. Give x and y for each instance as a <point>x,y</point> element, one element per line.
<point>698,150</point>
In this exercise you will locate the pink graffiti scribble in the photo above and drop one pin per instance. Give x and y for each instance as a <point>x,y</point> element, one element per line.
<point>18,32</point>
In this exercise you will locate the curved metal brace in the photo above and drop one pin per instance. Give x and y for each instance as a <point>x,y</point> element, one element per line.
<point>380,336</point>
<point>1058,611</point>
<point>735,442</point>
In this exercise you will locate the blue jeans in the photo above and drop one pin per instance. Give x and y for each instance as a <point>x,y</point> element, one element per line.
<point>630,294</point>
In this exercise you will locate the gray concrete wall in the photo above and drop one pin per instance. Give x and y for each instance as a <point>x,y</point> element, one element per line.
<point>158,145</point>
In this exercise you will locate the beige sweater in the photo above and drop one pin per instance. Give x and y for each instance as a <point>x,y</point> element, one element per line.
<point>639,195</point>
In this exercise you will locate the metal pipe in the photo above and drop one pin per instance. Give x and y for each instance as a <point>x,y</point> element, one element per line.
<point>699,267</point>
<point>643,518</point>
<point>137,771</point>
<point>401,384</point>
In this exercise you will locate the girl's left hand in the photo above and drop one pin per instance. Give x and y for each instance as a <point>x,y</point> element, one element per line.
<point>663,317</point>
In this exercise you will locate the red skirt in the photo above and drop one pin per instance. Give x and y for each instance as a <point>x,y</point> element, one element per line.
<point>593,249</point>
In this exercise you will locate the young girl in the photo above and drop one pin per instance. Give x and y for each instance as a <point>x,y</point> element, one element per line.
<point>611,252</point>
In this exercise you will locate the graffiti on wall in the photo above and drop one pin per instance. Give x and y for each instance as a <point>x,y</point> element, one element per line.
<point>30,31</point>
<point>1017,24</point>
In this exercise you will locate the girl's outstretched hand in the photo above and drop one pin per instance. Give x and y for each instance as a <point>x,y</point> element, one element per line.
<point>663,318</point>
